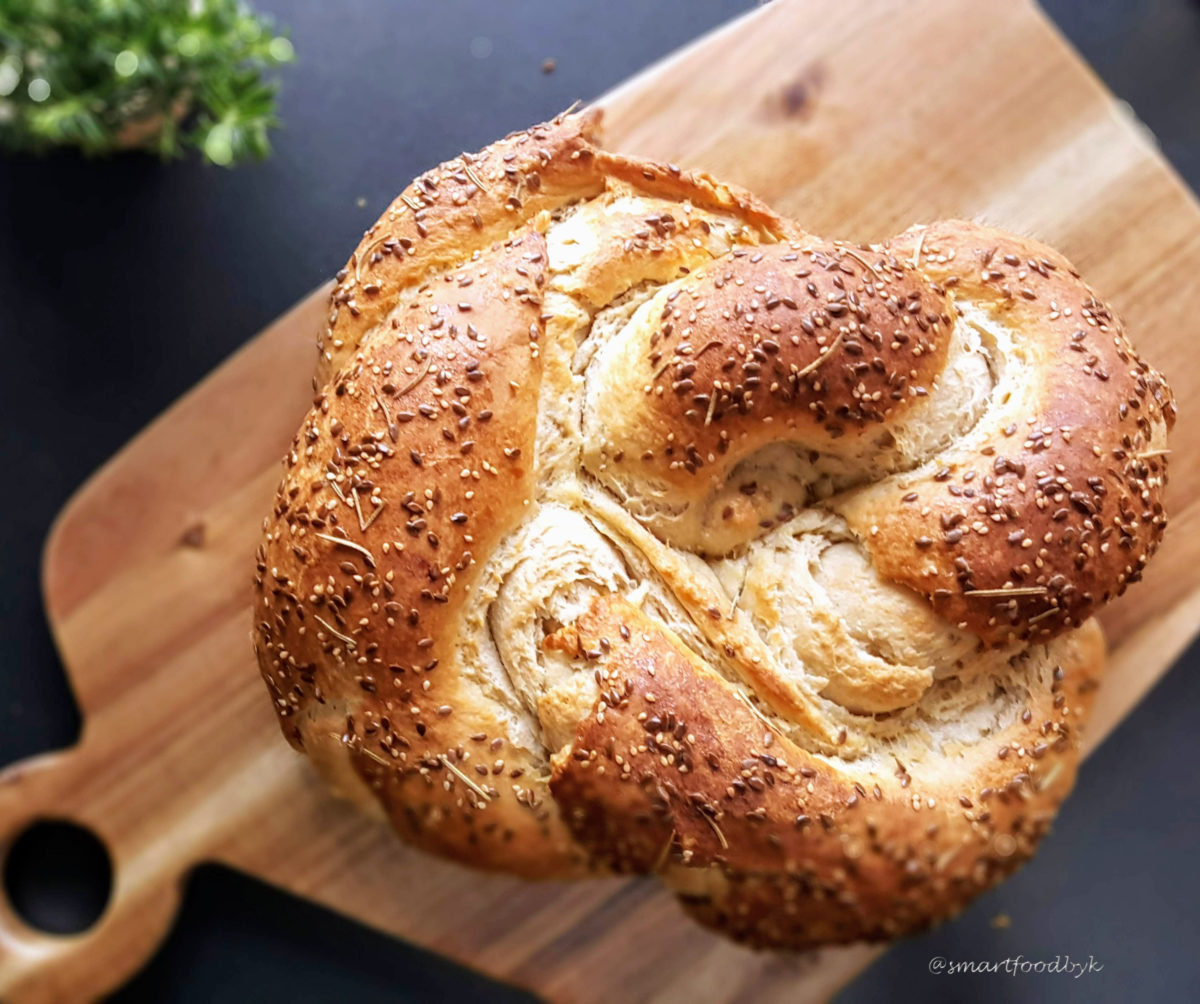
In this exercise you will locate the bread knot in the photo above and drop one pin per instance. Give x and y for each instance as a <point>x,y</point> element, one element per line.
<point>636,530</point>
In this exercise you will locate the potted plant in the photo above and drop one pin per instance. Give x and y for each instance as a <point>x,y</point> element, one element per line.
<point>160,75</point>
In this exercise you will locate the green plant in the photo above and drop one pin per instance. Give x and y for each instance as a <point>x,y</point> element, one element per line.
<point>163,75</point>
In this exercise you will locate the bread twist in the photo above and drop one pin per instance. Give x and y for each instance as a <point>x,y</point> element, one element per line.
<point>634,529</point>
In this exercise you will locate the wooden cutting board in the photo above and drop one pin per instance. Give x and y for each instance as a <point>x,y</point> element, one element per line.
<point>857,124</point>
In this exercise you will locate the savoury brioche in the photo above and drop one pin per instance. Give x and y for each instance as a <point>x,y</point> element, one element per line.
<point>634,529</point>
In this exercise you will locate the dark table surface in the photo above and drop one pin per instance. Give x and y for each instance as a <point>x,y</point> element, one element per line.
<point>123,282</point>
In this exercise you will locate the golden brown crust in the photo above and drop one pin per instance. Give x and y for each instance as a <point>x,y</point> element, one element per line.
<point>802,341</point>
<point>673,772</point>
<point>1063,508</point>
<point>634,529</point>
<point>452,211</point>
<point>668,181</point>
<point>419,456</point>
<point>470,202</point>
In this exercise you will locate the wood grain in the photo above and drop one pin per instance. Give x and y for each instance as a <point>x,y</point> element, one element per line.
<point>857,125</point>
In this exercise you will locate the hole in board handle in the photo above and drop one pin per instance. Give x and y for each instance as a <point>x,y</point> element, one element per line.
<point>58,876</point>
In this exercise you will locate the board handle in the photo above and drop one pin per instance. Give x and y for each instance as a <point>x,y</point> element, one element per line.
<point>40,968</point>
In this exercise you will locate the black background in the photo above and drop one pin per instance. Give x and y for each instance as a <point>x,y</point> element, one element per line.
<point>122,282</point>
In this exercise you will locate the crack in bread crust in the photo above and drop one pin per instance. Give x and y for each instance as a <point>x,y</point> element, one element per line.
<point>635,529</point>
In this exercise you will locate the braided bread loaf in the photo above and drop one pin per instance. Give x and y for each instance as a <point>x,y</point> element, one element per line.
<point>634,529</point>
